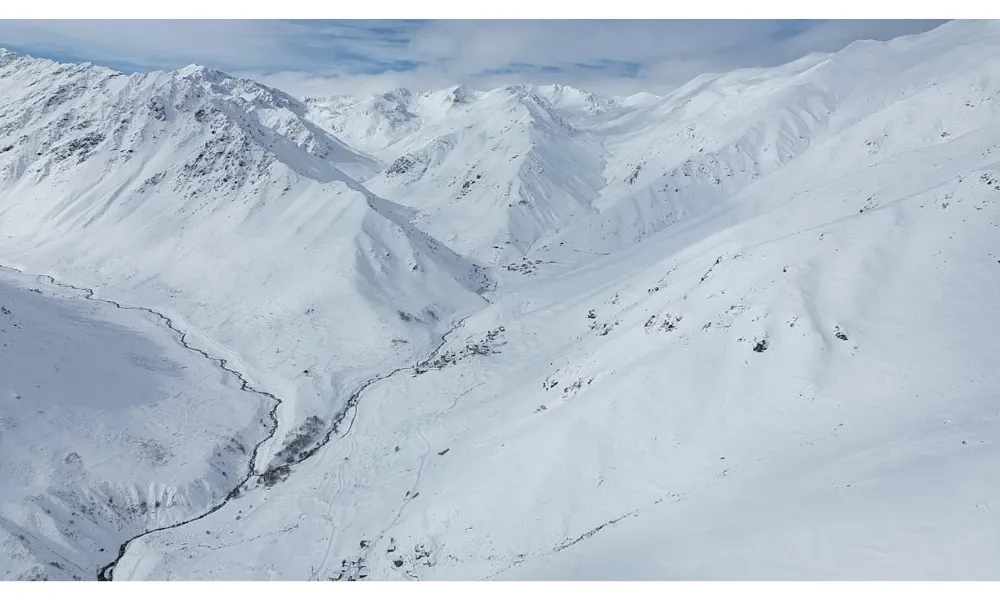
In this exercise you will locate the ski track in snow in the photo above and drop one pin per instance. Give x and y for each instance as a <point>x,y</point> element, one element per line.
<point>106,573</point>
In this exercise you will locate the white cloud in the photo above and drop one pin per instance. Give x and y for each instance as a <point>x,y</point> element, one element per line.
<point>322,57</point>
<point>145,44</point>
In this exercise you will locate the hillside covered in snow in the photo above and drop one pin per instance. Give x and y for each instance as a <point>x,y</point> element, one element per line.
<point>746,330</point>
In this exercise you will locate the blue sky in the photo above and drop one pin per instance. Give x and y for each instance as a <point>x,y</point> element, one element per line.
<point>322,57</point>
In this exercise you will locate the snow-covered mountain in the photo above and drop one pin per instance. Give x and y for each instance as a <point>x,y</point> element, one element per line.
<point>181,191</point>
<point>745,330</point>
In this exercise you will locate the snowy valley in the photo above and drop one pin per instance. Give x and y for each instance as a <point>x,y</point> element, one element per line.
<point>746,330</point>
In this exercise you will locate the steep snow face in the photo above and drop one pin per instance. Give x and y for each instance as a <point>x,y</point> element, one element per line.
<point>108,427</point>
<point>193,191</point>
<point>506,161</point>
<point>736,332</point>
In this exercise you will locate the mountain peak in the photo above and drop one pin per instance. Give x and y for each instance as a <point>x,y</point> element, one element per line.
<point>399,93</point>
<point>461,94</point>
<point>202,73</point>
<point>7,56</point>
